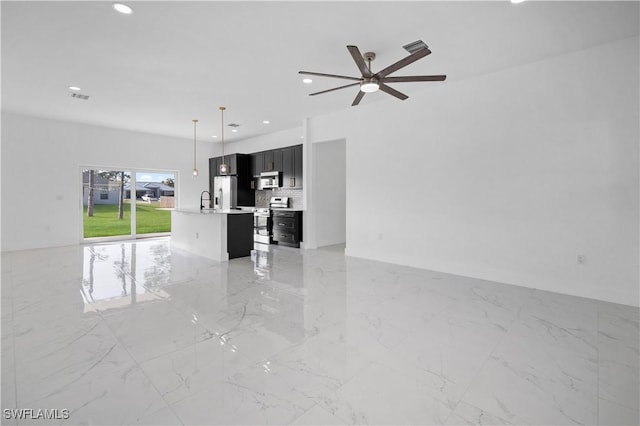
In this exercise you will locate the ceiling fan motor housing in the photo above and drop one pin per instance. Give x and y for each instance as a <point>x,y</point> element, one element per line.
<point>369,85</point>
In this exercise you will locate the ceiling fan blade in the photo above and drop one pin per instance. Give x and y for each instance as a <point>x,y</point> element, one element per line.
<point>393,92</point>
<point>329,75</point>
<point>357,57</point>
<point>335,88</point>
<point>408,79</point>
<point>403,63</point>
<point>358,98</point>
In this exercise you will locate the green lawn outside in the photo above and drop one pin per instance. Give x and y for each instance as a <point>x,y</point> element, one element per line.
<point>105,222</point>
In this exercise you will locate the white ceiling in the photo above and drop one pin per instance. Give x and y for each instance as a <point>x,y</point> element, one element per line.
<point>169,62</point>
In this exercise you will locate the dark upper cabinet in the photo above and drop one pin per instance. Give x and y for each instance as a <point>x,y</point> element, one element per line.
<point>297,166</point>
<point>232,162</point>
<point>286,160</point>
<point>267,165</point>
<point>288,180</point>
<point>214,170</point>
<point>257,161</point>
<point>277,160</point>
<point>240,166</point>
<point>292,167</point>
<point>214,166</point>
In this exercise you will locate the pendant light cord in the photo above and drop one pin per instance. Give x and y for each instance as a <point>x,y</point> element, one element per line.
<point>195,125</point>
<point>222,130</point>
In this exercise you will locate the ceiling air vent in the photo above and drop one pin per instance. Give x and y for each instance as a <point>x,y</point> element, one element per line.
<point>415,46</point>
<point>234,125</point>
<point>79,96</point>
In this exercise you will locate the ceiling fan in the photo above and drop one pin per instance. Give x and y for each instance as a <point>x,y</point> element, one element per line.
<point>370,82</point>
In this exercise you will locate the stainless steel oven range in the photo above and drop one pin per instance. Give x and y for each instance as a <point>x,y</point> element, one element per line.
<point>263,220</point>
<point>262,229</point>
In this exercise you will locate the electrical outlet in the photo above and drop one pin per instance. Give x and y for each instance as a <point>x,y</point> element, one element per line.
<point>197,235</point>
<point>581,259</point>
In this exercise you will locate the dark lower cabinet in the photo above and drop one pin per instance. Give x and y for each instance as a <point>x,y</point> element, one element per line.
<point>287,227</point>
<point>239,235</point>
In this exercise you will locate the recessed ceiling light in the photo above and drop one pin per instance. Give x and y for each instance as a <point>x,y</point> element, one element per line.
<point>75,88</point>
<point>214,136</point>
<point>234,130</point>
<point>516,1</point>
<point>307,81</point>
<point>123,8</point>
<point>265,122</point>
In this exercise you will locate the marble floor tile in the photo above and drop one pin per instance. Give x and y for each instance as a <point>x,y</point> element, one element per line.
<point>619,355</point>
<point>525,382</point>
<point>619,383</point>
<point>8,375</point>
<point>319,365</point>
<point>250,397</point>
<point>123,397</point>
<point>402,399</point>
<point>317,415</point>
<point>610,413</point>
<point>564,321</point>
<point>186,372</point>
<point>152,329</point>
<point>42,373</point>
<point>466,414</point>
<point>137,332</point>
<point>449,351</point>
<point>162,417</point>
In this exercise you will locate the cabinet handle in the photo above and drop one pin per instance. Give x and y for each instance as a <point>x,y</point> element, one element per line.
<point>292,182</point>
<point>253,184</point>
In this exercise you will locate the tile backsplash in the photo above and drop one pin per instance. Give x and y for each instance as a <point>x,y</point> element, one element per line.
<point>295,197</point>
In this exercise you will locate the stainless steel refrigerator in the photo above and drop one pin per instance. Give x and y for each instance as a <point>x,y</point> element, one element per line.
<point>225,192</point>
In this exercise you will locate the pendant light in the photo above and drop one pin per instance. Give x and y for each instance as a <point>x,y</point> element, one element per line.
<point>224,168</point>
<point>195,169</point>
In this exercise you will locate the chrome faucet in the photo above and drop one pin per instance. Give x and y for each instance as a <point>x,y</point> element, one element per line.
<point>203,199</point>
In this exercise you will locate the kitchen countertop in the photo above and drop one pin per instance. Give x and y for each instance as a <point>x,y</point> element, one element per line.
<point>212,211</point>
<point>288,209</point>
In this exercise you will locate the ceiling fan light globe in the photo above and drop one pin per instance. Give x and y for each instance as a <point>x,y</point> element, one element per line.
<point>369,86</point>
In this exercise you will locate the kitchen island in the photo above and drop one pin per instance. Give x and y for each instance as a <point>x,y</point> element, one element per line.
<point>215,234</point>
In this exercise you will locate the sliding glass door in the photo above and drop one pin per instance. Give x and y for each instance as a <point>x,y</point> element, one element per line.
<point>155,198</point>
<point>105,211</point>
<point>120,204</point>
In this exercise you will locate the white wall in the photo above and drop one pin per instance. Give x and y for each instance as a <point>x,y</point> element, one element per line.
<point>506,177</point>
<point>41,160</point>
<point>329,192</point>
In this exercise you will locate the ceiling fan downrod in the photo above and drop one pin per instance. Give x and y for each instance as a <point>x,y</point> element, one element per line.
<point>369,84</point>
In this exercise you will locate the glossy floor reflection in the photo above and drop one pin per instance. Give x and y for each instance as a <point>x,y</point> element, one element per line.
<point>138,333</point>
